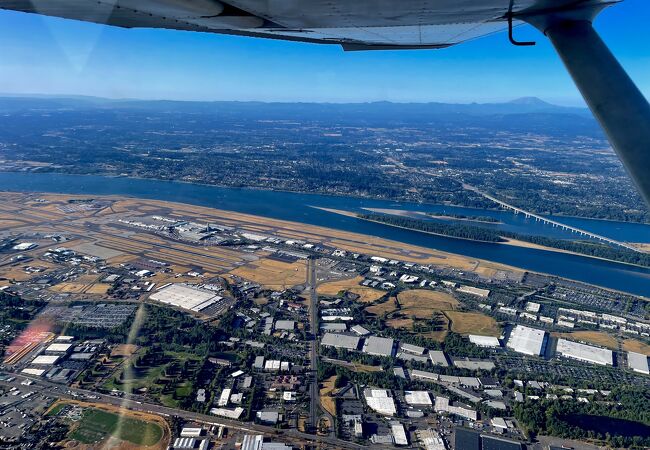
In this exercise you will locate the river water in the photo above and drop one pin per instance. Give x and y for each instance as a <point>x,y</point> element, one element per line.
<point>299,208</point>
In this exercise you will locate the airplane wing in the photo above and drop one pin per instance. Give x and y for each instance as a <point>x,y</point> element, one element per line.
<point>615,101</point>
<point>354,24</point>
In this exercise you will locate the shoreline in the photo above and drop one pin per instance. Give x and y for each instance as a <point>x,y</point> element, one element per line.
<point>324,194</point>
<point>508,241</point>
<point>368,243</point>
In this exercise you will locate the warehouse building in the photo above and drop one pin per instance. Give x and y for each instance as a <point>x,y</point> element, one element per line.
<point>340,341</point>
<point>638,362</point>
<point>484,293</point>
<point>526,340</point>
<point>484,341</point>
<point>45,360</point>
<point>585,353</point>
<point>186,297</point>
<point>438,358</point>
<point>380,400</point>
<point>417,398</point>
<point>378,346</point>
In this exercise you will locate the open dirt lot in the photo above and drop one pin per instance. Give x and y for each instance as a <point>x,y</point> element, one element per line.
<point>632,345</point>
<point>473,323</point>
<point>273,274</point>
<point>366,295</point>
<point>326,400</point>
<point>592,337</point>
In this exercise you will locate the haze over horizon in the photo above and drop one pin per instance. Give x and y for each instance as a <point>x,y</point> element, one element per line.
<point>44,55</point>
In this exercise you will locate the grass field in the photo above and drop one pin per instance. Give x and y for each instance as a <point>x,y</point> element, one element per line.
<point>434,300</point>
<point>592,337</point>
<point>326,400</point>
<point>366,295</point>
<point>273,274</point>
<point>473,323</point>
<point>417,304</point>
<point>632,345</point>
<point>96,425</point>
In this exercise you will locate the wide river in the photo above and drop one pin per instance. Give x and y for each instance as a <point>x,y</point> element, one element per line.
<point>299,208</point>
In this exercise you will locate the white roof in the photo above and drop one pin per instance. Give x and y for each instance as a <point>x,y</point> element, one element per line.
<point>184,296</point>
<point>417,398</point>
<point>380,401</point>
<point>532,307</point>
<point>285,325</point>
<point>484,341</point>
<point>399,433</point>
<point>340,341</point>
<point>412,348</point>
<point>58,348</point>
<point>361,331</point>
<point>584,352</point>
<point>33,371</point>
<point>378,346</point>
<point>526,340</point>
<point>638,362</point>
<point>45,360</point>
<point>438,358</point>
<point>226,412</point>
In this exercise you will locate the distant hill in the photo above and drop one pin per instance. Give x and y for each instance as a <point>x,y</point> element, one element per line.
<point>517,106</point>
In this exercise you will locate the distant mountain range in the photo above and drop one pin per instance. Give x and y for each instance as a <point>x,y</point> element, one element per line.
<point>525,105</point>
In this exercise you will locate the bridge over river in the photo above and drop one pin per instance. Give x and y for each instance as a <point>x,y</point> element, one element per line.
<point>555,223</point>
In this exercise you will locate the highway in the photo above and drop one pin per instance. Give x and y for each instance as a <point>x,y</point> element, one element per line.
<point>64,392</point>
<point>315,409</point>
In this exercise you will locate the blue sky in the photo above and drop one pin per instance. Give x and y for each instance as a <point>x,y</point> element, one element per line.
<point>56,56</point>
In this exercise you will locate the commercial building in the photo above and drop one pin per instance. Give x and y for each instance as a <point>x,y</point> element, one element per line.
<point>417,398</point>
<point>380,400</point>
<point>58,348</point>
<point>473,364</point>
<point>416,350</point>
<point>484,341</point>
<point>526,340</point>
<point>438,358</point>
<point>361,331</point>
<point>638,362</point>
<point>285,325</point>
<point>45,360</point>
<point>399,433</point>
<point>378,346</point>
<point>186,297</point>
<point>484,293</point>
<point>340,341</point>
<point>585,353</point>
<point>256,442</point>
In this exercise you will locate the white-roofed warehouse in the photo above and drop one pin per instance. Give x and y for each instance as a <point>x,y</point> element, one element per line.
<point>585,353</point>
<point>526,340</point>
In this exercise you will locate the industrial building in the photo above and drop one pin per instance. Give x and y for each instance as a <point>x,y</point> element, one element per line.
<point>256,442</point>
<point>380,400</point>
<point>285,325</point>
<point>45,360</point>
<point>340,341</point>
<point>438,358</point>
<point>484,341</point>
<point>58,348</point>
<point>378,346</point>
<point>484,293</point>
<point>186,296</point>
<point>585,353</point>
<point>638,362</point>
<point>526,340</point>
<point>399,433</point>
<point>418,398</point>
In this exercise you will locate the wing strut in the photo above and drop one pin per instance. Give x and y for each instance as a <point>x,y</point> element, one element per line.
<point>614,99</point>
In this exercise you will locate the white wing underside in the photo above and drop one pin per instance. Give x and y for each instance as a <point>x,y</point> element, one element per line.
<point>355,24</point>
